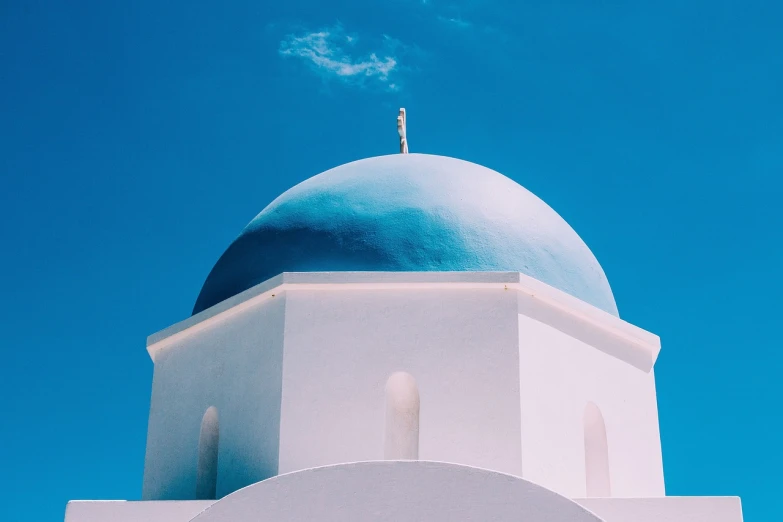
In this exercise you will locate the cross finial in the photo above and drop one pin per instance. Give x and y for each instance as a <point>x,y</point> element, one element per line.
<point>401,132</point>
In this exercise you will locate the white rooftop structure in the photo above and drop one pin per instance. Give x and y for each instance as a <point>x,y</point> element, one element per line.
<point>407,337</point>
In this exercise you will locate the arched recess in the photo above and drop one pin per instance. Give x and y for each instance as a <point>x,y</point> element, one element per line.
<point>596,453</point>
<point>208,442</point>
<point>401,441</point>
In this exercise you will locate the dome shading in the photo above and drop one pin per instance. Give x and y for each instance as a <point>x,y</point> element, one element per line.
<point>409,212</point>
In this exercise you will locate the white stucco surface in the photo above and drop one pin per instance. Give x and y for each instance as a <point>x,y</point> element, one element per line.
<point>134,511</point>
<point>559,374</point>
<point>392,491</point>
<point>297,371</point>
<point>665,509</point>
<point>235,367</point>
<point>341,347</point>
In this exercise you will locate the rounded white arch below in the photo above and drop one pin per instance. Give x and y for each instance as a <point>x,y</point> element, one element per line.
<point>390,491</point>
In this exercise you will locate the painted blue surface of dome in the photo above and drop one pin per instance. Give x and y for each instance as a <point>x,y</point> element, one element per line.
<point>409,212</point>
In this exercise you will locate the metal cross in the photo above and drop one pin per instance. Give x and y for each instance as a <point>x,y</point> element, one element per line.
<point>401,132</point>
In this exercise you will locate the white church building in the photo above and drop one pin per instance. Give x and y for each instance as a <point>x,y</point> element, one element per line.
<point>405,338</point>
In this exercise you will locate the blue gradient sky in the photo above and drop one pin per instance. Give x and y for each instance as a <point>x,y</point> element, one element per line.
<point>138,138</point>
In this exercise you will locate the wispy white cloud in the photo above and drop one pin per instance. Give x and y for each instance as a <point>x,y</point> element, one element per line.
<point>456,22</point>
<point>329,52</point>
<point>472,28</point>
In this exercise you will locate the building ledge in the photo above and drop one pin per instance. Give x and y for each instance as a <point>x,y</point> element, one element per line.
<point>536,299</point>
<point>669,509</point>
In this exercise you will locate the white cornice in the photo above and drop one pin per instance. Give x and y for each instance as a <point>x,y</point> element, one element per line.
<point>636,346</point>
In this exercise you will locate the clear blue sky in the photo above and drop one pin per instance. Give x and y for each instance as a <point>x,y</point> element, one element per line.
<point>138,138</point>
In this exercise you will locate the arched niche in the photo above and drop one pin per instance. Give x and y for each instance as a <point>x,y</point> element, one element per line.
<point>401,441</point>
<point>208,442</point>
<point>596,453</point>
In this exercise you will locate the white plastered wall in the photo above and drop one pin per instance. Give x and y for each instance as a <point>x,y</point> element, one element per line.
<point>342,346</point>
<point>234,365</point>
<point>559,375</point>
<point>504,366</point>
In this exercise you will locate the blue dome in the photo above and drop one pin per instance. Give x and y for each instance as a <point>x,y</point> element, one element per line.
<point>409,212</point>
